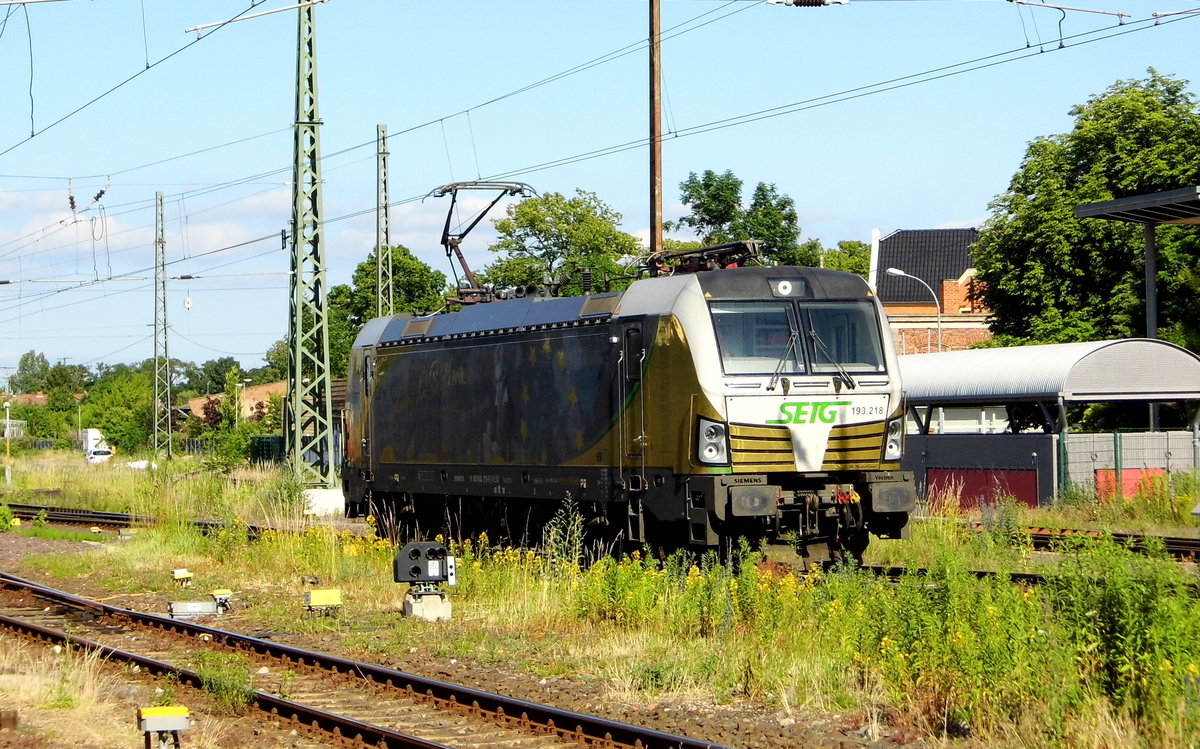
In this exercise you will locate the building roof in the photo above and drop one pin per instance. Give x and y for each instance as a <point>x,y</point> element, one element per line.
<point>932,255</point>
<point>1135,369</point>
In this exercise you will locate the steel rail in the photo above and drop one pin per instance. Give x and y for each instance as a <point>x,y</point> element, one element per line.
<point>310,717</point>
<point>1046,539</point>
<point>72,516</point>
<point>895,573</point>
<point>585,729</point>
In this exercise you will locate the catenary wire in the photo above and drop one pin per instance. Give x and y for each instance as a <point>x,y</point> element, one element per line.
<point>825,100</point>
<point>942,72</point>
<point>121,84</point>
<point>933,74</point>
<point>678,30</point>
<point>55,292</point>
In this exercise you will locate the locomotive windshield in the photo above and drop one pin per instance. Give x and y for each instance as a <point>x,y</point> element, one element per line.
<point>845,333</point>
<point>753,337</point>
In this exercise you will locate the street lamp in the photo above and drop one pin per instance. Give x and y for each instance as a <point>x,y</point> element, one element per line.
<point>936,302</point>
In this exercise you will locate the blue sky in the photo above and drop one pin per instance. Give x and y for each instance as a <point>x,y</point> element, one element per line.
<point>210,128</point>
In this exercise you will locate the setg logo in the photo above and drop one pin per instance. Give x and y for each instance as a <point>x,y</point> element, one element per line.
<point>824,412</point>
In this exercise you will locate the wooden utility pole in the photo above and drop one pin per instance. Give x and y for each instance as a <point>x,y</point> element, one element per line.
<point>655,128</point>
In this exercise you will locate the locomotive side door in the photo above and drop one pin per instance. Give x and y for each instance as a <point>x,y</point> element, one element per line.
<point>368,385</point>
<point>633,406</point>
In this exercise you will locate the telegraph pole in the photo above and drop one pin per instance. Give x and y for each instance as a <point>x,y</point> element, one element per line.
<point>655,128</point>
<point>384,299</point>
<point>308,426</point>
<point>162,359</point>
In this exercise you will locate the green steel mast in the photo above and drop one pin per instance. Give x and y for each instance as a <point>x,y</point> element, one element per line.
<point>308,426</point>
<point>384,299</point>
<point>162,359</point>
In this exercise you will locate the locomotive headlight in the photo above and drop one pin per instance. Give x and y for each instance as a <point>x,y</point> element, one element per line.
<point>712,446</point>
<point>893,448</point>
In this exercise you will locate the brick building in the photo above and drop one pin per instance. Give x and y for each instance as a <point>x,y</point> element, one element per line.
<point>941,258</point>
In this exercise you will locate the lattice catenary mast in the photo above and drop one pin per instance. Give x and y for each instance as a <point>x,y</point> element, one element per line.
<point>162,359</point>
<point>384,299</point>
<point>308,427</point>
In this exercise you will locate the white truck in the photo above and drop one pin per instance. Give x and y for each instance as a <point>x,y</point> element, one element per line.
<point>95,449</point>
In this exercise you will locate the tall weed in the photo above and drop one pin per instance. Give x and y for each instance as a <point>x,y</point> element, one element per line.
<point>1133,623</point>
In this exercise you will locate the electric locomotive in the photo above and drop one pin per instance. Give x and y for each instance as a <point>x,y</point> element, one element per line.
<point>686,411</point>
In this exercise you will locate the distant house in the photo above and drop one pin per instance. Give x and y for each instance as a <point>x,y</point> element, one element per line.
<point>253,399</point>
<point>29,399</point>
<point>36,399</point>
<point>256,397</point>
<point>942,259</point>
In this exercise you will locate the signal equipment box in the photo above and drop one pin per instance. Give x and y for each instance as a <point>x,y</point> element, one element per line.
<point>424,565</point>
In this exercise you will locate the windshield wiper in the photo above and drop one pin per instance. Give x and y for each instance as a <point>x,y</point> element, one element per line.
<point>841,371</point>
<point>793,339</point>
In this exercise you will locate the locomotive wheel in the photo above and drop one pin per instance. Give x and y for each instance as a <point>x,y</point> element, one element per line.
<point>854,542</point>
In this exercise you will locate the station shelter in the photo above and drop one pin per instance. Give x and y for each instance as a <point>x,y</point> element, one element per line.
<point>994,422</point>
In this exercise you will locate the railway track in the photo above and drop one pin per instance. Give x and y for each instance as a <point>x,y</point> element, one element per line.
<point>95,518</point>
<point>350,703</point>
<point>895,573</point>
<point>1183,548</point>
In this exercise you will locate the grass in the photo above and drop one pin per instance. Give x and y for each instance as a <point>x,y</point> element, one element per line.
<point>226,677</point>
<point>59,693</point>
<point>1107,653</point>
<point>58,534</point>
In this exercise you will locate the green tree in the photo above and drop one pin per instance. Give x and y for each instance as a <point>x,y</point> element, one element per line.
<point>850,256</point>
<point>718,216</point>
<point>271,416</point>
<point>63,381</point>
<point>416,288</point>
<point>209,377</point>
<point>553,238</point>
<point>42,423</point>
<point>275,368</point>
<point>716,203</point>
<point>1049,276</point>
<point>121,406</point>
<point>771,217</point>
<point>30,376</point>
<point>231,400</point>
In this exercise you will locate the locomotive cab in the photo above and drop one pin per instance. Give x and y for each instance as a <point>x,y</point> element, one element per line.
<point>796,423</point>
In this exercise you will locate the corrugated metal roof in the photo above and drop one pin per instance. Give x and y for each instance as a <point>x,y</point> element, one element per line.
<point>1129,369</point>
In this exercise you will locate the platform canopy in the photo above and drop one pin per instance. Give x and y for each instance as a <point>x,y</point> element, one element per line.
<point>1134,369</point>
<point>1170,207</point>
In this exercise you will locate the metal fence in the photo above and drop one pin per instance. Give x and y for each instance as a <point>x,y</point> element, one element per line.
<point>14,428</point>
<point>1030,466</point>
<point>1092,458</point>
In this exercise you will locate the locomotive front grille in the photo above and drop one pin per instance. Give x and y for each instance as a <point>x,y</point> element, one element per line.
<point>760,449</point>
<point>854,447</point>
